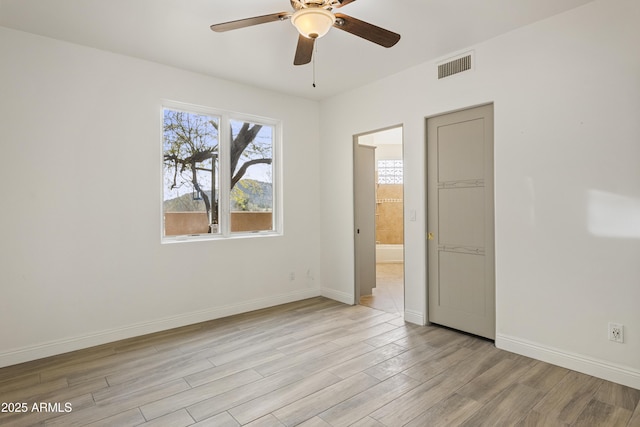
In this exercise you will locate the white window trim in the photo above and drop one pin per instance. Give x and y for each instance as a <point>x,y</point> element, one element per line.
<point>224,233</point>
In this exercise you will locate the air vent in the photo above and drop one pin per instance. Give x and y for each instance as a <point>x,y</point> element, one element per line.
<point>454,66</point>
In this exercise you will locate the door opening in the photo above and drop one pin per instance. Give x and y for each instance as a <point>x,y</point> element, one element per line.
<point>379,219</point>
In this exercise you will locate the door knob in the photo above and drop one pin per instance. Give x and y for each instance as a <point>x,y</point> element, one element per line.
<point>429,236</point>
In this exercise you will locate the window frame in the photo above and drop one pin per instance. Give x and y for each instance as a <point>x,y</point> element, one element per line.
<point>224,173</point>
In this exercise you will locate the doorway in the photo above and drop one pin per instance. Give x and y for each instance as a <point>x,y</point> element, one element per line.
<point>460,221</point>
<point>379,219</point>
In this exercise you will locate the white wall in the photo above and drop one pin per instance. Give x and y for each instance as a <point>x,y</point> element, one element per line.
<point>80,259</point>
<point>566,92</point>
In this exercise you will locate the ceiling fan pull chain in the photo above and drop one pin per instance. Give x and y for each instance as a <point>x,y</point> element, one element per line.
<point>314,63</point>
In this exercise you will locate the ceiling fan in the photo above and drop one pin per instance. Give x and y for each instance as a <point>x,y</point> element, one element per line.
<point>313,19</point>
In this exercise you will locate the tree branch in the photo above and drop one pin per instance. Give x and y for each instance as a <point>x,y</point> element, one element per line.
<point>243,169</point>
<point>245,136</point>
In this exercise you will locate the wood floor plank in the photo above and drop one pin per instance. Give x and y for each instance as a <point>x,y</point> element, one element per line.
<point>138,381</point>
<point>315,422</point>
<point>362,404</point>
<point>618,395</point>
<point>385,338</point>
<point>543,376</point>
<point>305,343</point>
<point>507,408</point>
<point>239,395</point>
<point>132,417</point>
<point>566,401</point>
<point>267,421</point>
<point>413,403</point>
<point>179,418</point>
<point>20,394</point>
<point>212,374</point>
<point>417,336</point>
<point>166,366</point>
<point>249,350</point>
<point>235,340</point>
<point>435,336</point>
<point>190,396</point>
<point>277,399</point>
<point>402,362</point>
<point>332,359</point>
<point>113,364</point>
<point>221,420</point>
<point>315,403</point>
<point>367,360</point>
<point>363,334</point>
<point>427,369</point>
<point>367,319</point>
<point>536,419</point>
<point>480,361</point>
<point>336,321</point>
<point>635,418</point>
<point>209,337</point>
<point>601,414</point>
<point>397,322</point>
<point>117,405</point>
<point>156,340</point>
<point>88,367</point>
<point>279,364</point>
<point>493,381</point>
<point>367,422</point>
<point>59,363</point>
<point>451,411</point>
<point>17,383</point>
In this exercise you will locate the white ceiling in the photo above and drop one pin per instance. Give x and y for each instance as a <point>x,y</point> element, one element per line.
<point>176,32</point>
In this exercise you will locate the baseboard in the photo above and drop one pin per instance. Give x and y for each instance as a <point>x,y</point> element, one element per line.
<point>580,363</point>
<point>25,354</point>
<point>414,317</point>
<point>339,296</point>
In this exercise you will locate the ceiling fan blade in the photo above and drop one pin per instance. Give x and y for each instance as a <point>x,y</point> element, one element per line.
<point>248,22</point>
<point>345,2</point>
<point>304,51</point>
<point>365,30</point>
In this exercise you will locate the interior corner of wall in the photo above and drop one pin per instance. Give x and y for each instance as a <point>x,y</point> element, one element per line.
<point>343,297</point>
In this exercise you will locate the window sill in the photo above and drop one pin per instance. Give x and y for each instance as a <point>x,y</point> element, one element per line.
<point>219,237</point>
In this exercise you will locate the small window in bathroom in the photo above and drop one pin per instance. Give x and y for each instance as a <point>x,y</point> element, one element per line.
<point>390,172</point>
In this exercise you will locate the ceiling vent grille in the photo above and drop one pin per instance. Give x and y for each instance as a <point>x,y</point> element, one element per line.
<point>455,66</point>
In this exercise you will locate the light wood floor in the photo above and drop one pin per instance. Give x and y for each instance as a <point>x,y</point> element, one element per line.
<point>312,363</point>
<point>388,295</point>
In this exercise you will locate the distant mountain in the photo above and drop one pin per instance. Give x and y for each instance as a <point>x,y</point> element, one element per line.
<point>248,194</point>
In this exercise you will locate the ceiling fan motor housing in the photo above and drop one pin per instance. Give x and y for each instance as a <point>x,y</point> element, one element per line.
<point>325,4</point>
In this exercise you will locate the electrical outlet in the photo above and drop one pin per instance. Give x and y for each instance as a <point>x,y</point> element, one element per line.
<point>616,332</point>
<point>292,276</point>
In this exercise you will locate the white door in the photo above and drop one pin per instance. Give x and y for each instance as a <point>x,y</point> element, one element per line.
<point>365,219</point>
<point>460,221</point>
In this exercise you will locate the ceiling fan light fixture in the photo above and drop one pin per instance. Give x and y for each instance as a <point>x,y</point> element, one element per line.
<point>313,22</point>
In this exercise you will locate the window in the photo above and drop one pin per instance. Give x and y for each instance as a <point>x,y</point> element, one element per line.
<point>389,171</point>
<point>218,173</point>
